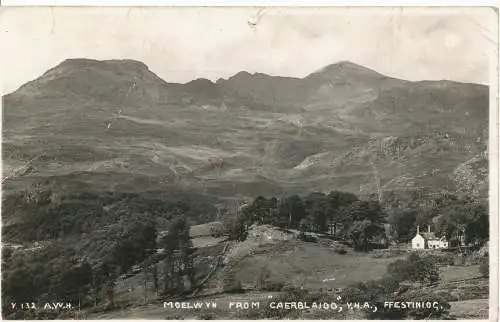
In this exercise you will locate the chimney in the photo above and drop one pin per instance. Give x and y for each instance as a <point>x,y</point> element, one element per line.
<point>418,229</point>
<point>429,229</point>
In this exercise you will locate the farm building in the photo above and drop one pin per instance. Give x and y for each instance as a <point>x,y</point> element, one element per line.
<point>428,240</point>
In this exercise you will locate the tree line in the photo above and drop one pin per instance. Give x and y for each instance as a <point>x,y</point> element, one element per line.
<point>345,216</point>
<point>59,271</point>
<point>75,246</point>
<point>342,214</point>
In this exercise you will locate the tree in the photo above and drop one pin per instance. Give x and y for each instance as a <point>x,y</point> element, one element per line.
<point>178,250</point>
<point>47,273</point>
<point>402,224</point>
<point>108,290</point>
<point>217,229</point>
<point>364,220</point>
<point>441,308</point>
<point>39,194</point>
<point>424,216</point>
<point>414,269</point>
<point>304,227</point>
<point>484,267</point>
<point>283,217</point>
<point>262,278</point>
<point>17,284</point>
<point>389,289</point>
<point>236,226</point>
<point>337,202</point>
<point>290,212</point>
<point>477,225</point>
<point>137,242</point>
<point>74,281</point>
<point>154,273</point>
<point>467,219</point>
<point>361,232</point>
<point>6,253</point>
<point>376,293</point>
<point>297,210</point>
<point>261,210</point>
<point>316,205</point>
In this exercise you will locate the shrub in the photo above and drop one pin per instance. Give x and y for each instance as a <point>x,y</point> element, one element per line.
<point>340,250</point>
<point>425,313</point>
<point>272,286</point>
<point>288,288</point>
<point>484,267</point>
<point>458,260</point>
<point>264,283</point>
<point>383,291</point>
<point>206,316</point>
<point>6,253</point>
<point>447,296</point>
<point>443,259</point>
<point>235,227</point>
<point>233,287</point>
<point>371,291</point>
<point>415,269</point>
<point>216,231</point>
<point>307,238</point>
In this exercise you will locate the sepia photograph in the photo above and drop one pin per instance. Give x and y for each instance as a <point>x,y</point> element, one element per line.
<point>249,163</point>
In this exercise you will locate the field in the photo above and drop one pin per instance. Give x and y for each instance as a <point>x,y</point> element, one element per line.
<point>312,266</point>
<point>468,289</point>
<point>287,261</point>
<point>471,309</point>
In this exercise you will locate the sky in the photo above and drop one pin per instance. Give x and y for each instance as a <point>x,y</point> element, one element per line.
<point>180,44</point>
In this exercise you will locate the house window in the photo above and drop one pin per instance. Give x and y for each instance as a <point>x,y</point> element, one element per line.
<point>418,245</point>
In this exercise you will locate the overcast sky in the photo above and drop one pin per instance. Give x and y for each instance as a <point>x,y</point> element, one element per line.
<point>181,44</point>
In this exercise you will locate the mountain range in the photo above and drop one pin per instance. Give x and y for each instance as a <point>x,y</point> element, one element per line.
<point>114,125</point>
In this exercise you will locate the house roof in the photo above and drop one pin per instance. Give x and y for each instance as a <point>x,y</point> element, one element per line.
<point>429,235</point>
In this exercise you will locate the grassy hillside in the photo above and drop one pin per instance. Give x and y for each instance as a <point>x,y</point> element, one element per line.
<point>259,262</point>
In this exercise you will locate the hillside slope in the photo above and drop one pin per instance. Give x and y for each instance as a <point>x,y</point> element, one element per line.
<point>118,126</point>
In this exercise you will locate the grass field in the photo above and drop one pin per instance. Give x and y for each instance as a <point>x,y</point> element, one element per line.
<point>469,291</point>
<point>458,273</point>
<point>310,265</point>
<point>313,266</point>
<point>470,309</point>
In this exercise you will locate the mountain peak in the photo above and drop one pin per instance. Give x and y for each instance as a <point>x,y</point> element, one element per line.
<point>240,75</point>
<point>88,63</point>
<point>200,81</point>
<point>246,75</point>
<point>99,79</point>
<point>202,89</point>
<point>75,65</point>
<point>343,69</point>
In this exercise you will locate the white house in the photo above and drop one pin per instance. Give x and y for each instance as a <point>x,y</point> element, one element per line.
<point>428,240</point>
<point>418,242</point>
<point>438,243</point>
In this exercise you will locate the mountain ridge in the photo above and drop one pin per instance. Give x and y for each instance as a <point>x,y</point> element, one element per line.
<point>282,133</point>
<point>343,64</point>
